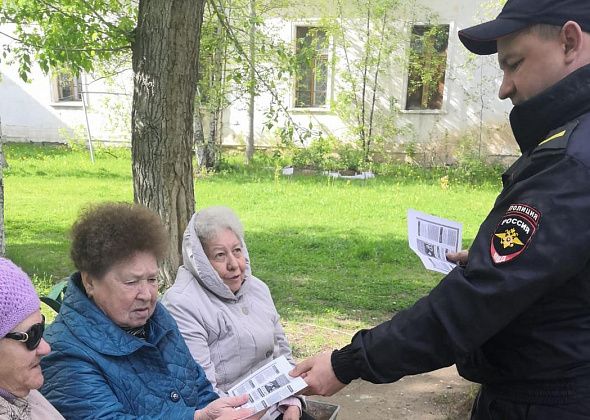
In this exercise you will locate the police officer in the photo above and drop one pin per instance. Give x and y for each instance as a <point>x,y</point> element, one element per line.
<point>516,317</point>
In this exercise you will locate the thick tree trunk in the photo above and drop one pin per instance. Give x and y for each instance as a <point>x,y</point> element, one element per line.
<point>165,63</point>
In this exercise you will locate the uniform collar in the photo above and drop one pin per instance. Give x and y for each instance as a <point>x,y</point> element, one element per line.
<point>552,108</point>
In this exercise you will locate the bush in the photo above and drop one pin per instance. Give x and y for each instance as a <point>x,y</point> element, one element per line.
<point>328,153</point>
<point>351,158</point>
<point>320,154</point>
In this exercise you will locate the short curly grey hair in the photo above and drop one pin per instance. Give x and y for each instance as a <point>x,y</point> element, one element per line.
<point>212,220</point>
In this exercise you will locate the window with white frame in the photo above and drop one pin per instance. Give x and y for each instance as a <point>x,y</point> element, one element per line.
<point>427,67</point>
<point>311,83</point>
<point>66,87</point>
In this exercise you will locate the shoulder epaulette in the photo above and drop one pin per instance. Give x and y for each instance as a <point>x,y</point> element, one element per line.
<point>558,138</point>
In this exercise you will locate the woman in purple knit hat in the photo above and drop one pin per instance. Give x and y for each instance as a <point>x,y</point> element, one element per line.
<point>21,348</point>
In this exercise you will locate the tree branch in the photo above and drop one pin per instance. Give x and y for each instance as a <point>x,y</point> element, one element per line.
<point>229,30</point>
<point>375,80</point>
<point>40,46</point>
<point>348,64</point>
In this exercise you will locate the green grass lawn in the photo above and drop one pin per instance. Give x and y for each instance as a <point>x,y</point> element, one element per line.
<point>334,253</point>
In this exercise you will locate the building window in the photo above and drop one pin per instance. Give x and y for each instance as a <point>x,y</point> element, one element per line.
<point>67,87</point>
<point>311,83</point>
<point>427,65</point>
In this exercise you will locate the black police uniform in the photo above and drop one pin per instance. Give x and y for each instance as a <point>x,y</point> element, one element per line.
<point>517,318</point>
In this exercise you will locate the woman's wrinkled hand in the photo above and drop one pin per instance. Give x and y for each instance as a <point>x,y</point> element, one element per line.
<point>292,413</point>
<point>227,408</point>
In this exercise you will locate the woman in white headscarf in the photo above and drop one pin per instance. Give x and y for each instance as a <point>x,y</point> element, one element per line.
<point>225,314</point>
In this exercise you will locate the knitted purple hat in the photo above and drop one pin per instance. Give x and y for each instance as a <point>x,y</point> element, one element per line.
<point>18,298</point>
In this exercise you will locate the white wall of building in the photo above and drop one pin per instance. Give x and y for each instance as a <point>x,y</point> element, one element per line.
<point>470,104</point>
<point>28,112</point>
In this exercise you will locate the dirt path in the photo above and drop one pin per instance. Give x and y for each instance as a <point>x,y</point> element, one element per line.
<point>439,395</point>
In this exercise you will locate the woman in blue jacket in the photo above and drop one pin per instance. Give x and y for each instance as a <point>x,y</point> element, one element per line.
<point>117,353</point>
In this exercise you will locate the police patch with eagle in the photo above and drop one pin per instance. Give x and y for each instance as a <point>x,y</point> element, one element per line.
<point>514,232</point>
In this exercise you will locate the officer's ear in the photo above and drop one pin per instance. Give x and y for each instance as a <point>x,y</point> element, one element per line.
<point>571,39</point>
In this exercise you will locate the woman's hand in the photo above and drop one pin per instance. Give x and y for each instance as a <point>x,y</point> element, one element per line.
<point>226,408</point>
<point>290,407</point>
<point>292,413</point>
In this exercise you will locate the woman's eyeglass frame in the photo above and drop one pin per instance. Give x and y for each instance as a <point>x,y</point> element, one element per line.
<point>30,338</point>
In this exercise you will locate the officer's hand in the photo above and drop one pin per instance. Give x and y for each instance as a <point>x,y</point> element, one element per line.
<point>459,258</point>
<point>318,374</point>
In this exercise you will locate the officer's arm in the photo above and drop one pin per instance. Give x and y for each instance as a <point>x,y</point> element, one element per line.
<point>472,304</point>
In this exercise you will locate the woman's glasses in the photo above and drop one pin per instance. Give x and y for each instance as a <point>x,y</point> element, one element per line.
<point>32,337</point>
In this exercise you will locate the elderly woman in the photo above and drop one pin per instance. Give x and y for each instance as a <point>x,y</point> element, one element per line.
<point>21,348</point>
<point>225,314</point>
<point>117,353</point>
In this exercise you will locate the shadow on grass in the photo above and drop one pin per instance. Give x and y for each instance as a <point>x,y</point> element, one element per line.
<point>53,161</point>
<point>41,249</point>
<point>42,151</point>
<point>35,151</point>
<point>73,172</point>
<point>312,272</point>
<point>344,274</point>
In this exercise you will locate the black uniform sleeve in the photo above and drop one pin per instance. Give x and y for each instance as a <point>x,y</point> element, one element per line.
<point>471,305</point>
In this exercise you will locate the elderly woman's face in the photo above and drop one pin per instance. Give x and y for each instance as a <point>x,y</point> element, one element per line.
<point>225,255</point>
<point>127,293</point>
<point>19,367</point>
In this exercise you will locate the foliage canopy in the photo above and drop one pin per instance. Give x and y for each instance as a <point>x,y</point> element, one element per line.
<point>67,34</point>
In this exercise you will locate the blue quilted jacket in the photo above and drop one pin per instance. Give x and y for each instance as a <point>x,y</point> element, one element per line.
<point>97,370</point>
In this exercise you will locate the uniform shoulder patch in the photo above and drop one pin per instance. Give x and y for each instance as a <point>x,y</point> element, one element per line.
<point>514,232</point>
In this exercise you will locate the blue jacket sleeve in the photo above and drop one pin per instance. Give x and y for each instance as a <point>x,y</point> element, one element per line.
<point>78,390</point>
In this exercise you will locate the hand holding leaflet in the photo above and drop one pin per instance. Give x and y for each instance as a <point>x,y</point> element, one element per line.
<point>431,237</point>
<point>269,385</point>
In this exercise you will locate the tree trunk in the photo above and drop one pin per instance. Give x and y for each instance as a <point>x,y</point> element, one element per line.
<point>199,137</point>
<point>212,146</point>
<point>165,64</point>
<point>2,165</point>
<point>252,83</point>
<point>206,148</point>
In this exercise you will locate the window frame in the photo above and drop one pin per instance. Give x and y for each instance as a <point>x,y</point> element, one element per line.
<point>406,75</point>
<point>77,84</point>
<point>328,56</point>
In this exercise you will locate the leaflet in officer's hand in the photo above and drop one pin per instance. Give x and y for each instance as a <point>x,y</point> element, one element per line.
<point>431,238</point>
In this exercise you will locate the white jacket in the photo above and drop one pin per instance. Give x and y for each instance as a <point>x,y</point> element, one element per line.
<point>229,335</point>
<point>33,407</point>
